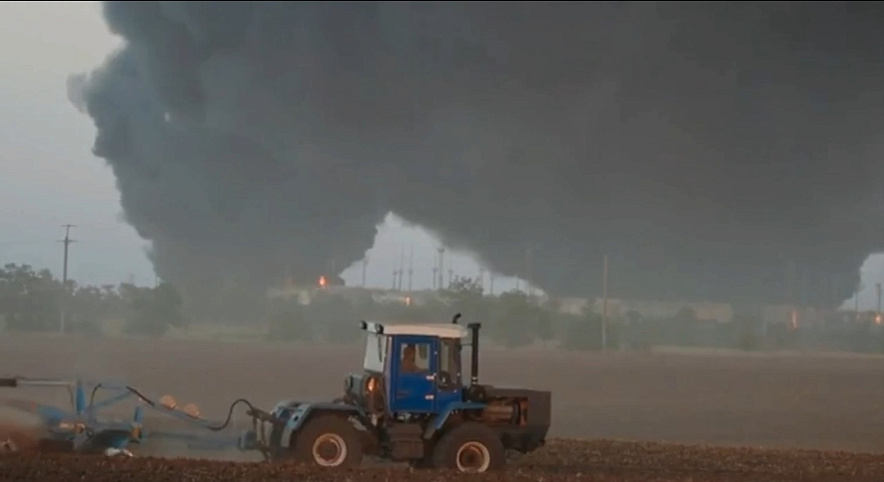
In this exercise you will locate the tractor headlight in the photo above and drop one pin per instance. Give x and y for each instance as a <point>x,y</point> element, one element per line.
<point>371,385</point>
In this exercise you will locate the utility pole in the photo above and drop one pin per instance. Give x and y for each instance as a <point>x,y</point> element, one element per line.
<point>859,287</point>
<point>64,277</point>
<point>450,272</point>
<point>491,284</point>
<point>878,313</point>
<point>605,305</point>
<point>529,287</point>
<point>790,295</point>
<point>482,277</point>
<point>410,267</point>
<point>401,266</point>
<point>441,250</point>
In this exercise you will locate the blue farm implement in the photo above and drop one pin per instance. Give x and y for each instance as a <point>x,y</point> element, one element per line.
<point>409,403</point>
<point>82,428</point>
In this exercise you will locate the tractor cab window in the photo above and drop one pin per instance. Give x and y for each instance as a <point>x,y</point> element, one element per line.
<point>415,357</point>
<point>449,362</point>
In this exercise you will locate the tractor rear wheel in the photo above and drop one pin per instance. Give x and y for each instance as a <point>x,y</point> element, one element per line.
<point>471,448</point>
<point>327,440</point>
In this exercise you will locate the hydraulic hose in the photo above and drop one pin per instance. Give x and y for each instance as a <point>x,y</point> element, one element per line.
<point>253,411</point>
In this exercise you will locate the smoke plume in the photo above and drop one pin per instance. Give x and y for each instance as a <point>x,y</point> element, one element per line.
<point>725,151</point>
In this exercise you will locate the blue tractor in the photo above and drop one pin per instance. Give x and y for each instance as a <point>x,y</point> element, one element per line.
<point>409,404</point>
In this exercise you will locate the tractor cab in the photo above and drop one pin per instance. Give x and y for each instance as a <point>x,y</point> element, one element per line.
<point>410,368</point>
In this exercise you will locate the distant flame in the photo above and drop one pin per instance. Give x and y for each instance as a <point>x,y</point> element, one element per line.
<point>322,281</point>
<point>408,301</point>
<point>878,319</point>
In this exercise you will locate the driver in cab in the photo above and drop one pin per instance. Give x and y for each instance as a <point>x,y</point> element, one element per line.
<point>409,363</point>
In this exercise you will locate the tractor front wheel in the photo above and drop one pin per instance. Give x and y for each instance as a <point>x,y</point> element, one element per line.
<point>328,441</point>
<point>470,448</point>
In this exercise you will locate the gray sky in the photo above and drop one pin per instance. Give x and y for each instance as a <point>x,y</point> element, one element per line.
<point>50,177</point>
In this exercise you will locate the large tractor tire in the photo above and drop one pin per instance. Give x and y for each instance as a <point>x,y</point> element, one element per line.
<point>328,440</point>
<point>470,448</point>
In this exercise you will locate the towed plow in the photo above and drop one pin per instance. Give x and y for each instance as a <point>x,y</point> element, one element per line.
<point>82,427</point>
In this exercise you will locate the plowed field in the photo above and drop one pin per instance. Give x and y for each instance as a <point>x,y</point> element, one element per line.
<point>559,461</point>
<point>825,403</point>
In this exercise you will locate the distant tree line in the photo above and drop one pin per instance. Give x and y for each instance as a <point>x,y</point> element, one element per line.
<point>514,319</point>
<point>32,301</point>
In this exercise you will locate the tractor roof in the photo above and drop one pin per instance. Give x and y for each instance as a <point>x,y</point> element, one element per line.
<point>441,330</point>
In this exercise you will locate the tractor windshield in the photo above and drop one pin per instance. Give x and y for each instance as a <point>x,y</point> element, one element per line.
<point>375,352</point>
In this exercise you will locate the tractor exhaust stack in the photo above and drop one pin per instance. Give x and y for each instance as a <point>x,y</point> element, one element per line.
<point>474,358</point>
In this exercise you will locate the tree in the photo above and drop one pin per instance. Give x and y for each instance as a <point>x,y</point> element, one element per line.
<point>29,299</point>
<point>466,295</point>
<point>514,318</point>
<point>584,332</point>
<point>544,319</point>
<point>152,311</point>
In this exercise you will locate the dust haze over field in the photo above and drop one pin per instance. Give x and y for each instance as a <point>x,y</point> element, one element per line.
<point>646,403</point>
<point>703,146</point>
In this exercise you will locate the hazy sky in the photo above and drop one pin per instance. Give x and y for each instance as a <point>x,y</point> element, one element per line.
<point>50,177</point>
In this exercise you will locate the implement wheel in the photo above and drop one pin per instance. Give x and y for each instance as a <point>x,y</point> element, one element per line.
<point>471,448</point>
<point>327,441</point>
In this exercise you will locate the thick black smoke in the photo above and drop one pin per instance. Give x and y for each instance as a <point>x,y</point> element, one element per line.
<point>706,147</point>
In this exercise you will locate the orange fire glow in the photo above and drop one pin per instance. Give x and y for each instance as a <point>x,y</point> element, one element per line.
<point>322,281</point>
